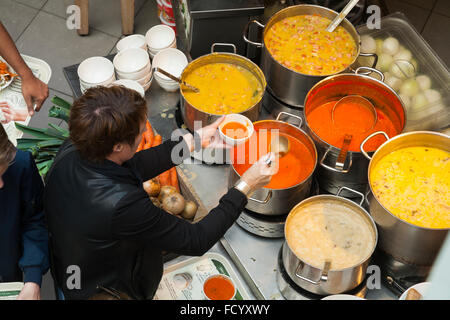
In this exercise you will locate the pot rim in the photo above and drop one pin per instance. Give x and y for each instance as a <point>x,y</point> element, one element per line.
<point>400,136</point>
<point>236,56</point>
<point>310,140</point>
<point>290,8</point>
<point>350,202</point>
<point>379,82</point>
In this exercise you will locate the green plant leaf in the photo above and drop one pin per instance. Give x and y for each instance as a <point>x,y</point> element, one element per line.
<point>50,143</point>
<point>36,132</point>
<point>61,102</point>
<point>64,132</point>
<point>59,113</point>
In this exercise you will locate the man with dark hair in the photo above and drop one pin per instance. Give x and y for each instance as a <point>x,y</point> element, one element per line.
<point>104,229</point>
<point>23,235</point>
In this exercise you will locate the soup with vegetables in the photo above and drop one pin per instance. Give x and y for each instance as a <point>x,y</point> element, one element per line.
<point>225,88</point>
<point>414,184</point>
<point>301,43</point>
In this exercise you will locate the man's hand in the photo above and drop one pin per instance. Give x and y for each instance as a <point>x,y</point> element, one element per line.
<point>30,291</point>
<point>34,92</point>
<point>210,137</point>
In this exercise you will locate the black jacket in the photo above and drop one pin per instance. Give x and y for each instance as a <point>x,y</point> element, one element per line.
<point>104,229</point>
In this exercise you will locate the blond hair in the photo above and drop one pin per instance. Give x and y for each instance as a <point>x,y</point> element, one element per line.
<point>7,149</point>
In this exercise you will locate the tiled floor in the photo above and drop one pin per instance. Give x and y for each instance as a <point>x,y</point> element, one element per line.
<point>39,29</point>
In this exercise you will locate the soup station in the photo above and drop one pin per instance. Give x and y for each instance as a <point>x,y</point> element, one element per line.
<point>363,193</point>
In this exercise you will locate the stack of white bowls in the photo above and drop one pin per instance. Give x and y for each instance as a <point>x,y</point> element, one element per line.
<point>130,84</point>
<point>95,71</point>
<point>160,37</point>
<point>133,41</point>
<point>173,61</point>
<point>134,64</point>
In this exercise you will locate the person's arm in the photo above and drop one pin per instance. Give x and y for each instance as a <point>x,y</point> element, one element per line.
<point>35,257</point>
<point>34,90</point>
<point>138,219</point>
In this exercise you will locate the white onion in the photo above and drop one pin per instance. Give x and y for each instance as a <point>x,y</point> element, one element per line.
<point>392,81</point>
<point>403,54</point>
<point>368,44</point>
<point>401,69</point>
<point>418,101</point>
<point>384,62</point>
<point>424,82</point>
<point>379,44</point>
<point>390,46</point>
<point>432,95</point>
<point>409,87</point>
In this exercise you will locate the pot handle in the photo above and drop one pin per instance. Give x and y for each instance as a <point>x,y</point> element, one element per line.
<point>290,115</point>
<point>374,64</point>
<point>223,44</point>
<point>354,191</point>
<point>269,195</point>
<point>339,167</point>
<point>364,152</point>
<point>370,71</point>
<point>245,33</point>
<point>323,276</point>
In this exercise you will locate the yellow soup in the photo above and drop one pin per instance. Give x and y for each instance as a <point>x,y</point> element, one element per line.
<point>414,184</point>
<point>224,88</point>
<point>301,43</point>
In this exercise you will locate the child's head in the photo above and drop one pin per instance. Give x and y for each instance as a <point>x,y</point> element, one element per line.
<point>7,153</point>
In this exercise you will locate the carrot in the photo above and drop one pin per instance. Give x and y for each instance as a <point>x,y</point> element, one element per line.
<point>174,178</point>
<point>157,140</point>
<point>164,178</point>
<point>141,144</point>
<point>149,135</point>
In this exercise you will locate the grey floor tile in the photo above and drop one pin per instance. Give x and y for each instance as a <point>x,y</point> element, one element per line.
<point>15,17</point>
<point>433,35</point>
<point>104,15</point>
<point>33,3</point>
<point>49,39</point>
<point>41,118</point>
<point>426,4</point>
<point>416,15</point>
<point>146,18</point>
<point>442,7</point>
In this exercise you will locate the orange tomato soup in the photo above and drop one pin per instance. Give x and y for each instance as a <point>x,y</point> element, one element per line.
<point>235,130</point>
<point>219,288</point>
<point>354,121</point>
<point>294,167</point>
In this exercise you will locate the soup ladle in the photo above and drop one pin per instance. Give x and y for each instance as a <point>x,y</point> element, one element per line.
<point>341,16</point>
<point>340,107</point>
<point>182,82</point>
<point>280,146</point>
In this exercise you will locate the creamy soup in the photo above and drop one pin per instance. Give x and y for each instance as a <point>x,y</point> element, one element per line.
<point>329,230</point>
<point>414,184</point>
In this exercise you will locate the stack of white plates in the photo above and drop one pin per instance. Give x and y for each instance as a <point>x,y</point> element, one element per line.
<point>134,64</point>
<point>173,61</point>
<point>160,37</point>
<point>95,71</point>
<point>130,84</point>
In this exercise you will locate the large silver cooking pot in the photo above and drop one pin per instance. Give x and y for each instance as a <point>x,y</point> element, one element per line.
<point>268,201</point>
<point>402,240</point>
<point>336,167</point>
<point>326,280</point>
<point>191,113</point>
<point>288,85</point>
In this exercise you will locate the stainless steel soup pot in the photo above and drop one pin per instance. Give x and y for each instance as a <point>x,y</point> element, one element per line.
<point>408,243</point>
<point>324,281</point>
<point>288,85</point>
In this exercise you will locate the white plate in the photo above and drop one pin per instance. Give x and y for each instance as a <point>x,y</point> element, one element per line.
<point>420,287</point>
<point>4,85</point>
